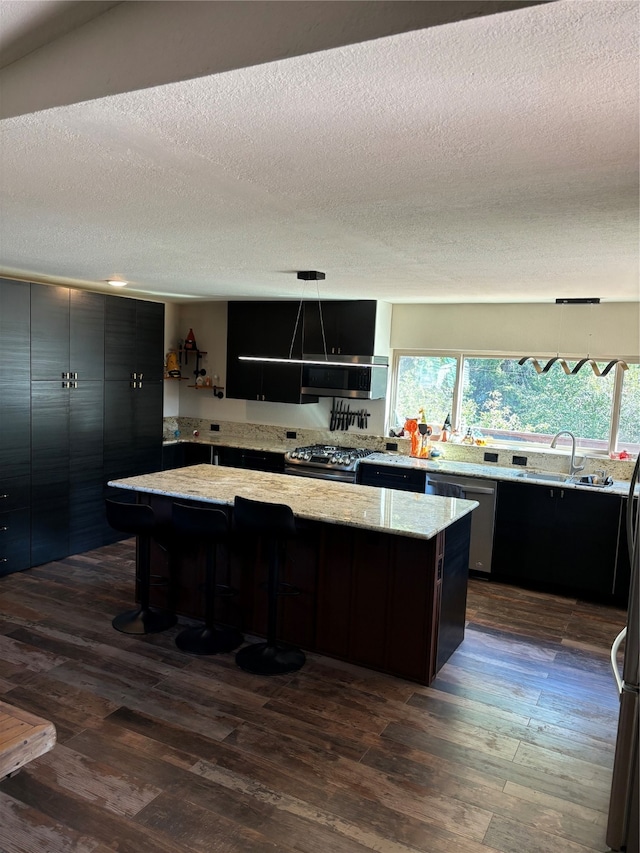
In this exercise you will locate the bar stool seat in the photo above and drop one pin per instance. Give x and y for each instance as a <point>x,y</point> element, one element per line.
<point>197,526</point>
<point>274,524</point>
<point>140,520</point>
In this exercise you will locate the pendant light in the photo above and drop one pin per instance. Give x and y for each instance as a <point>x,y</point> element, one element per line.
<point>572,371</point>
<point>324,359</point>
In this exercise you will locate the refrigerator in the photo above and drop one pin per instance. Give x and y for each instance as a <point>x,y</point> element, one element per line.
<point>622,824</point>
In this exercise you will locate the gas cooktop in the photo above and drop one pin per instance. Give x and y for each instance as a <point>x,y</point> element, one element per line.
<point>327,456</point>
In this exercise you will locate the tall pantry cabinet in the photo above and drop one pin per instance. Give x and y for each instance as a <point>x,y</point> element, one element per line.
<point>67,370</point>
<point>63,433</point>
<point>15,427</point>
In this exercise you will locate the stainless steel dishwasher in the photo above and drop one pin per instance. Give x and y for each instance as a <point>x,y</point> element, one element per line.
<point>474,489</point>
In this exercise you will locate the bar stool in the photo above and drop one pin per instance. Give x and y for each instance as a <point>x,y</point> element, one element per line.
<point>274,523</point>
<point>202,526</point>
<point>140,520</point>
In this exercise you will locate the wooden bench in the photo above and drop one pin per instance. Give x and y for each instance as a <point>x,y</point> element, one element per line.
<point>23,737</point>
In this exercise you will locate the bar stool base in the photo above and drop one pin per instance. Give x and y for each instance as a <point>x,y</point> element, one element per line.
<point>147,621</point>
<point>205,641</point>
<point>267,659</point>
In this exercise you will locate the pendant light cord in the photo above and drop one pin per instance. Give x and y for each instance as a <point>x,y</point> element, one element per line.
<point>295,328</point>
<point>324,340</point>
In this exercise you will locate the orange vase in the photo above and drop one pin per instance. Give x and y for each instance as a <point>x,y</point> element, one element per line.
<point>411,426</point>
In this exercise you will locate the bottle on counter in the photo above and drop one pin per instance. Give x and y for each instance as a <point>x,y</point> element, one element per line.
<point>446,429</point>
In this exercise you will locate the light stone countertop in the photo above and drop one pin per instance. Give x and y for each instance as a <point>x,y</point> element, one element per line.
<point>488,471</point>
<point>382,510</point>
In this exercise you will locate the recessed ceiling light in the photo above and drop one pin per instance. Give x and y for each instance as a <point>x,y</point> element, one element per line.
<point>117,281</point>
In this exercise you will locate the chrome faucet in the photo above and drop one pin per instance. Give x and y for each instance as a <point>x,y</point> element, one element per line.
<point>573,468</point>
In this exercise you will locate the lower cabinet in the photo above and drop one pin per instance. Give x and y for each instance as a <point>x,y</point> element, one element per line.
<point>254,460</point>
<point>565,537</point>
<point>388,477</point>
<point>15,467</point>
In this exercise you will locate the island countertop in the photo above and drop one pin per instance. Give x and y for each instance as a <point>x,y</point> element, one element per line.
<point>347,504</point>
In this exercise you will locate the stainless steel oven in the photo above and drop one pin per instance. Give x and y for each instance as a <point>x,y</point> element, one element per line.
<point>325,462</point>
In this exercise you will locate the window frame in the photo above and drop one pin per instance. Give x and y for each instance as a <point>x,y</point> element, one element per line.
<point>456,403</point>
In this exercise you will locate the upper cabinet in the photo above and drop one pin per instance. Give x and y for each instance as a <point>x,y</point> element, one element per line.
<point>15,330</point>
<point>134,335</point>
<point>67,333</point>
<point>264,329</point>
<point>352,327</point>
<point>287,329</point>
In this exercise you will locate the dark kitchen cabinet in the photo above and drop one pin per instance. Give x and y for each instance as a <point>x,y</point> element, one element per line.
<point>172,456</point>
<point>349,327</point>
<point>264,329</point>
<point>53,413</point>
<point>15,330</point>
<point>559,536</point>
<point>134,340</point>
<point>49,471</point>
<point>67,334</point>
<point>133,390</point>
<point>388,477</point>
<point>254,460</point>
<point>15,426</point>
<point>132,429</point>
<point>67,399</point>
<point>66,468</point>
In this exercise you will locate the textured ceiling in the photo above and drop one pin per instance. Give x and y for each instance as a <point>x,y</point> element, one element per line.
<point>485,160</point>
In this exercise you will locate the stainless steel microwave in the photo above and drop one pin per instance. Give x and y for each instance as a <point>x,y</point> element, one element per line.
<point>354,379</point>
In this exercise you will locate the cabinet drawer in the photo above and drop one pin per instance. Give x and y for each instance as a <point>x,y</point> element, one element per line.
<point>15,534</point>
<point>386,477</point>
<point>15,493</point>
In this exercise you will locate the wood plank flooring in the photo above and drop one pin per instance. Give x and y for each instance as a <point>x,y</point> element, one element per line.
<point>510,750</point>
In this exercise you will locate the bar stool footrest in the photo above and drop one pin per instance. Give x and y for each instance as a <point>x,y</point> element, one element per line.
<point>205,641</point>
<point>267,659</point>
<point>147,621</point>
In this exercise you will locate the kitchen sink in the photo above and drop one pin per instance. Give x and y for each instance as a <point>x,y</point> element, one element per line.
<point>537,475</point>
<point>595,480</point>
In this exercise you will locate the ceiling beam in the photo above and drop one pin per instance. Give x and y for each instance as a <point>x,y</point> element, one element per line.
<point>137,45</point>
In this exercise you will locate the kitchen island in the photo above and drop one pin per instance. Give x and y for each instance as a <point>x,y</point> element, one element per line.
<point>382,574</point>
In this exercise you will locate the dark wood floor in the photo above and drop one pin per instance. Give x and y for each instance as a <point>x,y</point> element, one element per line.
<point>510,750</point>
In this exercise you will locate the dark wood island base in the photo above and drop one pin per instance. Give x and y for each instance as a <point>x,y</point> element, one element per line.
<point>391,602</point>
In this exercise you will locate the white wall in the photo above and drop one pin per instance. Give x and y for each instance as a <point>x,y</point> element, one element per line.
<point>608,330</point>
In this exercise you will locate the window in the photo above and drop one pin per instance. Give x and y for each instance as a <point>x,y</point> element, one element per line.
<point>425,382</point>
<point>510,402</point>
<point>629,429</point>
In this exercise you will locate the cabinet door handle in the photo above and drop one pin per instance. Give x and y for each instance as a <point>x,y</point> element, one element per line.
<point>3,560</point>
<point>3,528</point>
<point>4,496</point>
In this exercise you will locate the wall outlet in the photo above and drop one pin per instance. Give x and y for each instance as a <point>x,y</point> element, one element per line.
<point>292,433</point>
<point>215,427</point>
<point>490,457</point>
<point>519,460</point>
<point>391,445</point>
